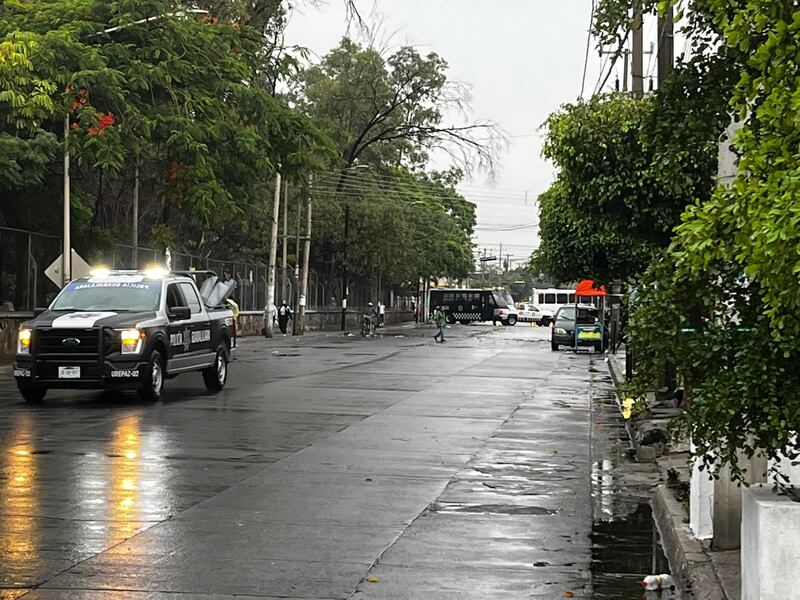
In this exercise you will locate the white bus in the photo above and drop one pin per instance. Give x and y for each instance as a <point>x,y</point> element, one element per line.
<point>553,298</point>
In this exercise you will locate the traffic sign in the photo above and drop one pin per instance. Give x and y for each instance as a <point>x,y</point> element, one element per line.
<point>80,268</point>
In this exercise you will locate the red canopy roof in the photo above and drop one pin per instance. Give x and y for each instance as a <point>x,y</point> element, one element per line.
<point>586,289</point>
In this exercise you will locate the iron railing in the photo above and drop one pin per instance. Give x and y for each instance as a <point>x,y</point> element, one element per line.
<point>24,256</point>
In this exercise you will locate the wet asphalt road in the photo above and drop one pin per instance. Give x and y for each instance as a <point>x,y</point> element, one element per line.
<point>387,468</point>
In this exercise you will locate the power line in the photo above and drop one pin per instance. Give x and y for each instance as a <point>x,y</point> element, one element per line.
<point>480,202</point>
<point>374,186</point>
<point>482,190</point>
<point>387,183</point>
<point>489,189</point>
<point>650,54</point>
<point>616,55</point>
<point>509,228</point>
<point>600,74</point>
<point>588,43</point>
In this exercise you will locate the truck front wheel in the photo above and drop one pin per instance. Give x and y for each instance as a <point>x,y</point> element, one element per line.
<point>154,381</point>
<point>33,395</point>
<point>216,375</point>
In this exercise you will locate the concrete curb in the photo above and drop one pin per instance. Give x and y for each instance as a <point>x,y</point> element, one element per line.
<point>691,566</point>
<point>619,385</point>
<point>616,373</point>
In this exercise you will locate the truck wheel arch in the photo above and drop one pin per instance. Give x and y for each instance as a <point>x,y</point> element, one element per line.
<point>225,340</point>
<point>160,345</point>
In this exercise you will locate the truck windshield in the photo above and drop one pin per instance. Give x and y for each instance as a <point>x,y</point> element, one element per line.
<point>119,296</point>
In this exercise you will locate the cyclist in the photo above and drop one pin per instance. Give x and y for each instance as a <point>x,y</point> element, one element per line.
<point>371,314</point>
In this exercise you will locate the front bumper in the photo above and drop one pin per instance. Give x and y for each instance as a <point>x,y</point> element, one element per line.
<point>112,374</point>
<point>569,340</point>
<point>563,339</point>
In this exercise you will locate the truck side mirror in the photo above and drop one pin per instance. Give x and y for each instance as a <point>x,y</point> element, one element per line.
<point>179,313</point>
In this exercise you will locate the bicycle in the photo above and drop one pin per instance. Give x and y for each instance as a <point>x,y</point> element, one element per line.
<point>367,327</point>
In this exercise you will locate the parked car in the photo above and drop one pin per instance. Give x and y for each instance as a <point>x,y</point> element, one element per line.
<point>530,313</point>
<point>592,333</point>
<point>121,330</point>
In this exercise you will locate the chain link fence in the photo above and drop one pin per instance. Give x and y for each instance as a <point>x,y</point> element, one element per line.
<point>24,255</point>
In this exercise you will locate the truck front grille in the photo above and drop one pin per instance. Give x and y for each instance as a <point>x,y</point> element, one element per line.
<point>67,342</point>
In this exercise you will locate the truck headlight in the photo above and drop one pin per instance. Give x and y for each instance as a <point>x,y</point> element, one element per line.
<point>24,341</point>
<point>560,331</point>
<point>131,341</point>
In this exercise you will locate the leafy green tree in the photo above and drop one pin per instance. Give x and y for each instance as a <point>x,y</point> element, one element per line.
<point>387,113</point>
<point>403,226</point>
<point>152,85</point>
<point>390,110</point>
<point>722,303</point>
<point>628,173</point>
<point>614,203</point>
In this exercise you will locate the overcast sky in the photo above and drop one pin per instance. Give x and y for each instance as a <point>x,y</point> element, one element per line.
<point>523,58</point>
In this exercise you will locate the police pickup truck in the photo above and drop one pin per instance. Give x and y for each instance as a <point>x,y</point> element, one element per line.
<point>120,330</point>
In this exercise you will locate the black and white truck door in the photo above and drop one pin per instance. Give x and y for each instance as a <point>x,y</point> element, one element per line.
<point>198,325</point>
<point>178,330</point>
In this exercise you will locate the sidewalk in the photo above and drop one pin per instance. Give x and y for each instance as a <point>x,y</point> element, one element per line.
<point>701,572</point>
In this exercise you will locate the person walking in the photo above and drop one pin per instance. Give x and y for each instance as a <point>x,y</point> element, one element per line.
<point>440,319</point>
<point>284,314</point>
<point>381,313</point>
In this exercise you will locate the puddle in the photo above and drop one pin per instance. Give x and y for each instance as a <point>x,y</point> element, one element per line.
<point>490,509</point>
<point>625,542</point>
<point>623,551</point>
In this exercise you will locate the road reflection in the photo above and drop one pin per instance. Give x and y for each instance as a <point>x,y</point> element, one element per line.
<point>19,534</point>
<point>120,486</point>
<point>125,479</point>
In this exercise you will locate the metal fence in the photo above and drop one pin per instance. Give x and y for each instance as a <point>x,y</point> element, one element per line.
<point>24,255</point>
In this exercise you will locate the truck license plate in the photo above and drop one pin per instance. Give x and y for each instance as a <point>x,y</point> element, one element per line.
<point>69,372</point>
<point>589,335</point>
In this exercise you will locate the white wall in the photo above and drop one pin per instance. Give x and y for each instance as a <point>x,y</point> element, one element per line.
<point>770,545</point>
<point>701,502</point>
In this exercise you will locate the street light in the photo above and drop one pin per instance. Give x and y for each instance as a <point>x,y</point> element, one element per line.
<point>66,271</point>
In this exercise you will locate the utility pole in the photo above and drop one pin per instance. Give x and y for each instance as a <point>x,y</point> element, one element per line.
<point>273,254</point>
<point>295,328</point>
<point>626,56</point>
<point>135,219</point>
<point>637,62</point>
<point>501,257</point>
<point>666,49</point>
<point>66,271</point>
<point>284,276</point>
<point>345,289</point>
<point>301,311</point>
